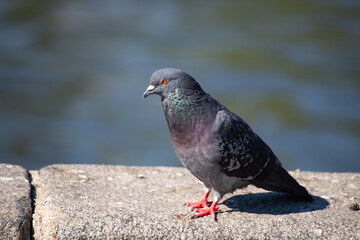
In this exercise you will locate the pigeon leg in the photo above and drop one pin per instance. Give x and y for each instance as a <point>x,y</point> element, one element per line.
<point>203,203</point>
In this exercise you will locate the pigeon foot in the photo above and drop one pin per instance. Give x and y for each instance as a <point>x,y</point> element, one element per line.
<point>207,211</point>
<point>203,203</point>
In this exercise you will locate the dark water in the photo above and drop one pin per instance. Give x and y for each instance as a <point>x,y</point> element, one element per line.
<point>72,74</point>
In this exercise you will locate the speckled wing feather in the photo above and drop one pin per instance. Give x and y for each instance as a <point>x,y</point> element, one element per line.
<point>243,153</point>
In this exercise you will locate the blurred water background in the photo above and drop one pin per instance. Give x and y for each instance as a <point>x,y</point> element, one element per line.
<point>72,74</point>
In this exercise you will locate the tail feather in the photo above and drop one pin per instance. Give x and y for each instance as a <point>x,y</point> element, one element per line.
<point>281,181</point>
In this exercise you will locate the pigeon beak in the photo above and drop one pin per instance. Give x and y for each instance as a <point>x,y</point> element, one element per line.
<point>149,91</point>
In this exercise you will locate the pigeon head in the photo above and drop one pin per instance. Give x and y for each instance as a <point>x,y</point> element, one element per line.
<point>165,82</point>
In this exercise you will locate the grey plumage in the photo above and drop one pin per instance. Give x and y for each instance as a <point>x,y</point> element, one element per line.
<point>215,145</point>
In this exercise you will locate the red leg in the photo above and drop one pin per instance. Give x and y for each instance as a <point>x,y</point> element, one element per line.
<point>203,203</point>
<point>208,211</point>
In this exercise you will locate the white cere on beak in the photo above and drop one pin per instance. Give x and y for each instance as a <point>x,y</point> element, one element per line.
<point>150,88</point>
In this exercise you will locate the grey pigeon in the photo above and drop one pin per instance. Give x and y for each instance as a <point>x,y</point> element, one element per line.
<point>215,145</point>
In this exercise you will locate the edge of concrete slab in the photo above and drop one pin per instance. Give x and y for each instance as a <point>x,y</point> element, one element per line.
<point>15,201</point>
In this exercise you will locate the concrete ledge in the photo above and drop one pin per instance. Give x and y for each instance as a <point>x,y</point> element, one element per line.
<point>117,202</point>
<point>15,202</point>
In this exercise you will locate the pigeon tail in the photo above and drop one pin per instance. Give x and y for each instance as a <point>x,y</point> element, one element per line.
<point>281,181</point>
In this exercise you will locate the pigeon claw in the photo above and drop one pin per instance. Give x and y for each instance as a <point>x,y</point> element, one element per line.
<point>203,203</point>
<point>204,209</point>
<point>207,211</point>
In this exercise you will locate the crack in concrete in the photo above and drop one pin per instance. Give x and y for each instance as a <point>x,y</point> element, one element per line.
<point>33,200</point>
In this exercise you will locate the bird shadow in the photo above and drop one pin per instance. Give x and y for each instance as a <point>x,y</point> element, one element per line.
<point>273,203</point>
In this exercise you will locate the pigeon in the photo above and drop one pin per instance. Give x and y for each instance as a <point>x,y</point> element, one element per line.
<point>217,146</point>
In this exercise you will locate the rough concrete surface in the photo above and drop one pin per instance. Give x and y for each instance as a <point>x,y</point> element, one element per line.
<point>117,202</point>
<point>15,203</point>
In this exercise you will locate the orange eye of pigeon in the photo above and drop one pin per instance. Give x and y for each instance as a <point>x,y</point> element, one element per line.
<point>163,82</point>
